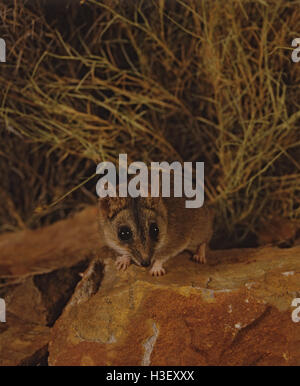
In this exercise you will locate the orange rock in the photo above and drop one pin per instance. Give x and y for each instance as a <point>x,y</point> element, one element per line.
<point>234,311</point>
<point>277,230</point>
<point>62,244</point>
<point>22,343</point>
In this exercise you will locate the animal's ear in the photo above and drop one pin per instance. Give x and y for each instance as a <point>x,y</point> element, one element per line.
<point>104,204</point>
<point>111,205</point>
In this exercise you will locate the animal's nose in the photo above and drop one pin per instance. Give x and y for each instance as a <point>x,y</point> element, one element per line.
<point>145,263</point>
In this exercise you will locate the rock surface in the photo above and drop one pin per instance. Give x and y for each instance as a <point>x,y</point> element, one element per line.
<point>23,343</point>
<point>236,310</point>
<point>38,273</point>
<point>62,244</point>
<point>32,306</point>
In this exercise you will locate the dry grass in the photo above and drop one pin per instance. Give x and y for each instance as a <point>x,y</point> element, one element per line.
<point>159,80</point>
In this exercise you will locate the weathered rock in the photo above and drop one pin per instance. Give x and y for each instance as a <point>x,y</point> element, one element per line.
<point>38,273</point>
<point>62,244</point>
<point>41,298</point>
<point>278,231</point>
<point>31,307</point>
<point>234,311</point>
<point>23,343</point>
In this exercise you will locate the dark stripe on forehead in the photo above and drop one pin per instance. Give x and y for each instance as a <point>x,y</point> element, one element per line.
<point>137,215</point>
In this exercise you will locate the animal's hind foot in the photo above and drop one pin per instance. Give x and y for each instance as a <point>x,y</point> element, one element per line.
<point>199,256</point>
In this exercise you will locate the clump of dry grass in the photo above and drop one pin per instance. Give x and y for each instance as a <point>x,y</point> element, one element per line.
<point>160,80</point>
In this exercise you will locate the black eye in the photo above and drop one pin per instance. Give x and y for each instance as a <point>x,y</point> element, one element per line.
<point>124,233</point>
<point>154,231</point>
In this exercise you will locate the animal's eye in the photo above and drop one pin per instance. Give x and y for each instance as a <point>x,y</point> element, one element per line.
<point>154,231</point>
<point>124,233</point>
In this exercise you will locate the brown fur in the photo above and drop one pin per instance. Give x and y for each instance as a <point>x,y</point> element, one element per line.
<point>180,228</point>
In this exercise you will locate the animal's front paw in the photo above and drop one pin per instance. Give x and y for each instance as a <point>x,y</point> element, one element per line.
<point>123,262</point>
<point>157,269</point>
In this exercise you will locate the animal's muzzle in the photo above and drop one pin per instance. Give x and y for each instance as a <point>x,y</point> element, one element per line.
<point>145,263</point>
